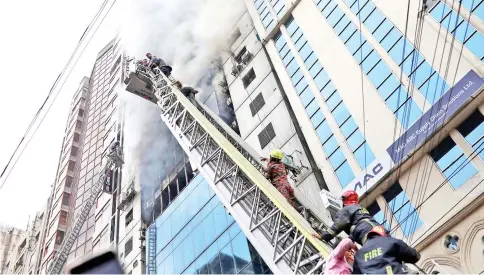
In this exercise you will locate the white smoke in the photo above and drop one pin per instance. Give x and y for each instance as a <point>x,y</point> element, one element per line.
<point>188,35</point>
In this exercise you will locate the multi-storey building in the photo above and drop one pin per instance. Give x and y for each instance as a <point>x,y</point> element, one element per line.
<point>92,125</point>
<point>388,97</point>
<point>64,188</point>
<point>102,128</point>
<point>9,237</point>
<point>26,253</point>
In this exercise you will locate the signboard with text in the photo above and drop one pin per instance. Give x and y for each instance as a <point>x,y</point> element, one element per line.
<point>418,133</point>
<point>442,110</point>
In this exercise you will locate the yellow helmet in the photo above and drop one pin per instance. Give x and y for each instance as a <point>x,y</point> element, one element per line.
<point>277,154</point>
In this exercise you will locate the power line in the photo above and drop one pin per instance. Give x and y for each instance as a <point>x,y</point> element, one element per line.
<point>470,191</point>
<point>59,90</point>
<point>441,93</point>
<point>48,95</point>
<point>447,180</point>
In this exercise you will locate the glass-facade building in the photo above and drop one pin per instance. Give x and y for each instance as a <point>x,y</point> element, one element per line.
<point>360,74</point>
<point>196,235</point>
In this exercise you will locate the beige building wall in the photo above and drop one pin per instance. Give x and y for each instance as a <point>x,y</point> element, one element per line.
<point>442,209</point>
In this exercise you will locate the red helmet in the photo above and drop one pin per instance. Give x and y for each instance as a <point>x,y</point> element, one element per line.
<point>349,197</point>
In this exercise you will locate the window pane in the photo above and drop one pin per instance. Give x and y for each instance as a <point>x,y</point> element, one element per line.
<point>337,158</point>
<point>324,131</point>
<point>345,174</point>
<point>341,113</point>
<point>355,140</point>
<point>330,146</point>
<point>364,158</point>
<point>348,127</point>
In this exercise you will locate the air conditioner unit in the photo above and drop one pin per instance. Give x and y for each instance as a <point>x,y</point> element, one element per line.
<point>331,202</point>
<point>246,57</point>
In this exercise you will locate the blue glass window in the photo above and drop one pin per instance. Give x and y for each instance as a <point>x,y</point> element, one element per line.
<point>341,113</point>
<point>317,118</point>
<point>355,140</point>
<point>301,86</point>
<point>345,174</point>
<point>464,32</point>
<point>333,101</point>
<point>312,108</point>
<point>337,158</point>
<point>408,113</point>
<point>452,162</point>
<point>330,146</point>
<point>402,209</point>
<point>472,129</point>
<point>377,213</point>
<point>348,127</point>
<point>324,131</point>
<point>364,156</point>
<point>208,241</point>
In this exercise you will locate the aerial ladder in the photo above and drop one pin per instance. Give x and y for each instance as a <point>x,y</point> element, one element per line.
<point>281,234</point>
<point>114,159</point>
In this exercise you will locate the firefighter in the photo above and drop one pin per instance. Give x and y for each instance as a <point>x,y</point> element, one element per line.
<point>159,63</point>
<point>276,172</point>
<point>383,254</point>
<point>354,219</point>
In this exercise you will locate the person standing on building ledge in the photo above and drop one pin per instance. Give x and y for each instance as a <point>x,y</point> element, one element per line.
<point>382,254</point>
<point>341,258</point>
<point>354,219</point>
<point>276,172</point>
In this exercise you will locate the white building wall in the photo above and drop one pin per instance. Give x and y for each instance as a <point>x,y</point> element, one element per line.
<point>274,111</point>
<point>421,179</point>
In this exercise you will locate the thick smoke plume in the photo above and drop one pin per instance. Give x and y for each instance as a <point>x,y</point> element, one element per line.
<point>188,35</point>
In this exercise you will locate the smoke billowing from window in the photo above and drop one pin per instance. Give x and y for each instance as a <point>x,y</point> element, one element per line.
<point>188,35</point>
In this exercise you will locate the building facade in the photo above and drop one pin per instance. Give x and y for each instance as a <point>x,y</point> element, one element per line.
<point>64,188</point>
<point>25,254</point>
<point>9,237</point>
<point>390,104</point>
<point>93,124</point>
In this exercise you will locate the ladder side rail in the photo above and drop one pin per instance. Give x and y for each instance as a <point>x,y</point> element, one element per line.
<point>61,258</point>
<point>315,216</point>
<point>177,111</point>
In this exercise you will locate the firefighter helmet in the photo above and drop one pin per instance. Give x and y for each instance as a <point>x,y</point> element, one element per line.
<point>277,154</point>
<point>349,197</point>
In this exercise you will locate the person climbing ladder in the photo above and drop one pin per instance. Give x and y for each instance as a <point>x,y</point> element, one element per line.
<point>276,172</point>
<point>354,219</point>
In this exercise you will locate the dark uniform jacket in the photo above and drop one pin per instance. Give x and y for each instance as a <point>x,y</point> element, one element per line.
<point>384,255</point>
<point>353,219</point>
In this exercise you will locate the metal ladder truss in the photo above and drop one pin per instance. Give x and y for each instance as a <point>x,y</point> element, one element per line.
<point>114,159</point>
<point>152,249</point>
<point>280,233</point>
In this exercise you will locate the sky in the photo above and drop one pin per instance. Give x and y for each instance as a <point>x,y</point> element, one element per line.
<point>38,38</point>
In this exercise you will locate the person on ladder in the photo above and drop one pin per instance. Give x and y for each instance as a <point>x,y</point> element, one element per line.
<point>188,91</point>
<point>159,63</point>
<point>354,219</point>
<point>383,254</point>
<point>276,172</point>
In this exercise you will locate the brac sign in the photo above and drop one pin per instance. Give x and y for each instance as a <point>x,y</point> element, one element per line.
<point>374,172</point>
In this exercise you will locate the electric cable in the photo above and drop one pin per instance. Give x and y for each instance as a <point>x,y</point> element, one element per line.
<point>55,97</point>
<point>422,194</point>
<point>447,180</point>
<point>48,95</point>
<point>430,227</point>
